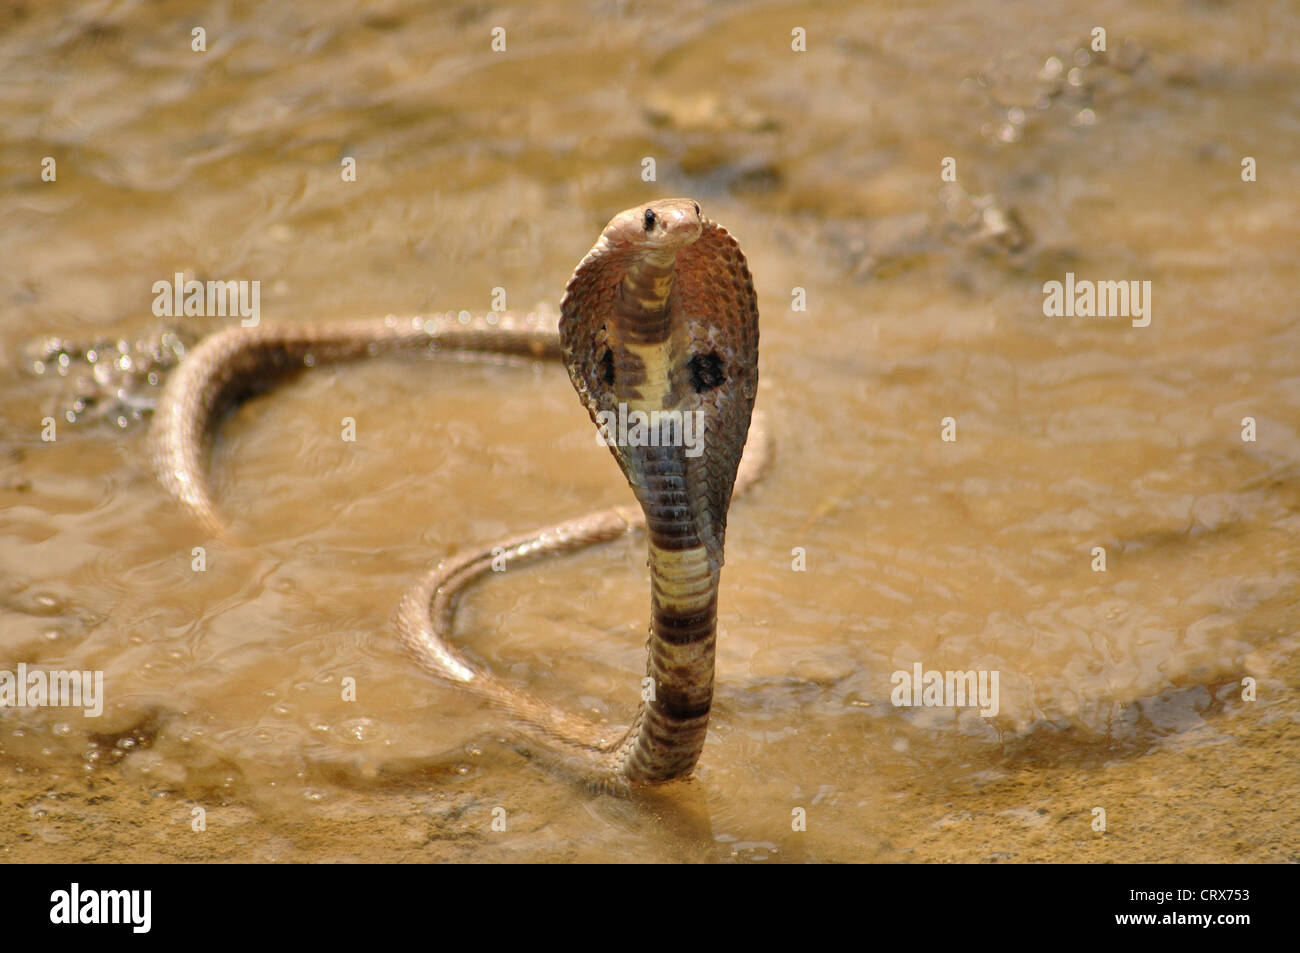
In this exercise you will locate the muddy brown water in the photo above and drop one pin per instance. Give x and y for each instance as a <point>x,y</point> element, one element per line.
<point>476,170</point>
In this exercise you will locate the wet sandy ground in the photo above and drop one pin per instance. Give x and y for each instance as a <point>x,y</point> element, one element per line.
<point>480,170</point>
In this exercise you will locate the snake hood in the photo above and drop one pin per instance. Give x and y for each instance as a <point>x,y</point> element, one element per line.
<point>661,317</point>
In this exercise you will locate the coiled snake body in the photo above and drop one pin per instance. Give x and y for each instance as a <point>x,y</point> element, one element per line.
<point>660,316</point>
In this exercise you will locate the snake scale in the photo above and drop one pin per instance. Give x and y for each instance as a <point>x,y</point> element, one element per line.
<point>660,315</point>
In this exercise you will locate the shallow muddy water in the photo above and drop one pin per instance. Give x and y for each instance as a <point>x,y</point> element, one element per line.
<point>478,170</point>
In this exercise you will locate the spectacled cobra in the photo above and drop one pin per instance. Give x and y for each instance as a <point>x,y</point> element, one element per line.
<point>660,315</point>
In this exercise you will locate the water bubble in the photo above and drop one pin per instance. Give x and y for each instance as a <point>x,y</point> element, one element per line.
<point>358,731</point>
<point>47,603</point>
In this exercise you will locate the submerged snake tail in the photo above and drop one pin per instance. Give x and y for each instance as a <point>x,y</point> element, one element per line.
<point>233,364</point>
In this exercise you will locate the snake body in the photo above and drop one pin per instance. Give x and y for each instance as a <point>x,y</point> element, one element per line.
<point>660,318</point>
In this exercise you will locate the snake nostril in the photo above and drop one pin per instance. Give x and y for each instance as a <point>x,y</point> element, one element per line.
<point>697,208</point>
<point>706,372</point>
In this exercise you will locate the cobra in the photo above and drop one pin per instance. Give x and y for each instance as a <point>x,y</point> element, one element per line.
<point>661,318</point>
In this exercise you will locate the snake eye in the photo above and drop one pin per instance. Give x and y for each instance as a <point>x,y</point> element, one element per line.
<point>697,208</point>
<point>649,219</point>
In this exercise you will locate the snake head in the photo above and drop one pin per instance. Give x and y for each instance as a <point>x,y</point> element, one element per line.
<point>666,225</point>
